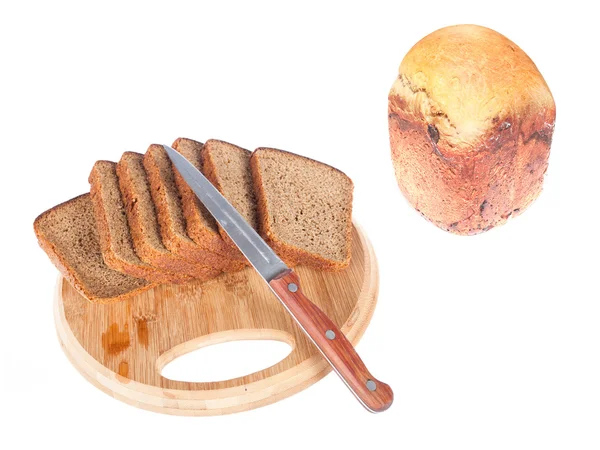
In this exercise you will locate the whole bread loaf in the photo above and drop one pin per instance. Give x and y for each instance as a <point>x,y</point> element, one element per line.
<point>471,121</point>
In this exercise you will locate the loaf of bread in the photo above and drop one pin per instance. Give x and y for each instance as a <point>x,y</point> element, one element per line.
<point>142,225</point>
<point>470,121</point>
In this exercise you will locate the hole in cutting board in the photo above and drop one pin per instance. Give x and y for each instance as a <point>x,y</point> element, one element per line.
<point>227,360</point>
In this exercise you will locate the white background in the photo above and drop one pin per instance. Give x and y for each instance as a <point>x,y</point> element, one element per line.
<point>490,342</point>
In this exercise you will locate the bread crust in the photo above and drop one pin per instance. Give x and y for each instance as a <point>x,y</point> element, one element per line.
<point>200,226</point>
<point>289,253</point>
<point>110,256</point>
<point>471,122</point>
<point>162,259</point>
<point>56,256</point>
<point>173,234</point>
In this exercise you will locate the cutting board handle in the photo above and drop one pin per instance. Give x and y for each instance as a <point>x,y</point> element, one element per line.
<point>222,337</point>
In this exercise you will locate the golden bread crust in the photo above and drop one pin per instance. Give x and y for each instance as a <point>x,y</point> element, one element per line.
<point>465,79</point>
<point>471,122</point>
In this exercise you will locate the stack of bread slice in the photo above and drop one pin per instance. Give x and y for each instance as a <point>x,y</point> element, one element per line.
<point>141,225</point>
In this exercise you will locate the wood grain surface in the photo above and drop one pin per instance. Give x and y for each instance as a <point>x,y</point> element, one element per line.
<point>121,348</point>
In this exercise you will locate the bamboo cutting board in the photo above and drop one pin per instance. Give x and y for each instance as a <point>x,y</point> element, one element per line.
<point>121,348</point>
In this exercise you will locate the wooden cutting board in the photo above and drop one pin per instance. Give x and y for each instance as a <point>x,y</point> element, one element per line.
<point>121,348</point>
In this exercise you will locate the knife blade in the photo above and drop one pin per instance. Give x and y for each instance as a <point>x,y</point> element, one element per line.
<point>373,394</point>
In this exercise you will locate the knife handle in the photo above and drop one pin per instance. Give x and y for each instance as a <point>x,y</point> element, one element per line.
<point>375,395</point>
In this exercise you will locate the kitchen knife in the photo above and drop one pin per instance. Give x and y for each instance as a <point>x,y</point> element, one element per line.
<point>374,395</point>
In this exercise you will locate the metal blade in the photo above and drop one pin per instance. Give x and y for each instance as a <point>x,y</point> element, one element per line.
<point>260,255</point>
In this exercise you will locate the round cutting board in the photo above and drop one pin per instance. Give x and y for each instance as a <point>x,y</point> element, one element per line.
<point>121,348</point>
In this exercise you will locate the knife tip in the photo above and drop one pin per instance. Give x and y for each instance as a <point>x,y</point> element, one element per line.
<point>171,153</point>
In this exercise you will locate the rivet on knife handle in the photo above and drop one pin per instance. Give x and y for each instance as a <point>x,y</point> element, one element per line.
<point>375,395</point>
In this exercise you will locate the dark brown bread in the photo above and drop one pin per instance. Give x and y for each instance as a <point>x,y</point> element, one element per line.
<point>68,234</point>
<point>227,166</point>
<point>170,213</point>
<point>305,208</point>
<point>143,221</point>
<point>113,230</point>
<point>201,226</point>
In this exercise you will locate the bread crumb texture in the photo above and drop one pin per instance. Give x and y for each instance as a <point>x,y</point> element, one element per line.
<point>200,225</point>
<point>227,166</point>
<point>113,229</point>
<point>168,205</point>
<point>143,221</point>
<point>130,233</point>
<point>305,208</point>
<point>68,234</point>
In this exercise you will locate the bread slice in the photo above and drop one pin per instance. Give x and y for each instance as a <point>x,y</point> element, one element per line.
<point>113,230</point>
<point>201,226</point>
<point>305,208</point>
<point>227,166</point>
<point>170,213</point>
<point>68,234</point>
<point>143,221</point>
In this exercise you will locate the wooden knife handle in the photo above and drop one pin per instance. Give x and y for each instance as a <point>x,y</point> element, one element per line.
<point>373,394</point>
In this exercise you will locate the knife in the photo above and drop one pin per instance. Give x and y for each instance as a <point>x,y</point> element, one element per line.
<point>374,395</point>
